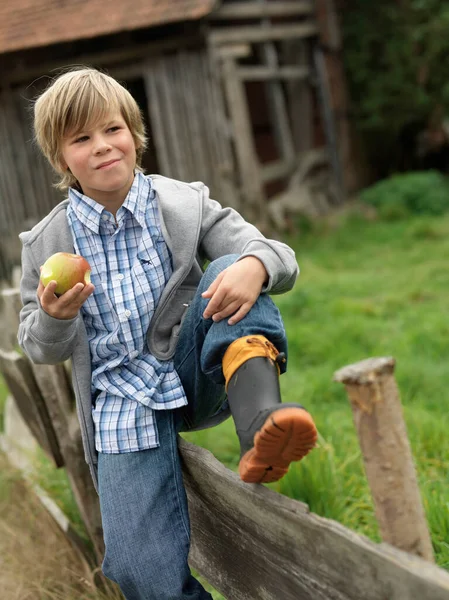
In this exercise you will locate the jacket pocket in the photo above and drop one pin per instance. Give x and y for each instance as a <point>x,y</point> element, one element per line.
<point>169,322</point>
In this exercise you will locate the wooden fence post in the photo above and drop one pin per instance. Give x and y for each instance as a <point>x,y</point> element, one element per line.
<point>10,305</point>
<point>53,383</point>
<point>378,418</point>
<point>44,398</point>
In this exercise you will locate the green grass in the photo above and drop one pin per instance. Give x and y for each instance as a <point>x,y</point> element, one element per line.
<point>366,289</point>
<point>56,484</point>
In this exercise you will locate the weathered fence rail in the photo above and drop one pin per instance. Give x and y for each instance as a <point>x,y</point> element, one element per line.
<point>252,543</point>
<point>249,542</point>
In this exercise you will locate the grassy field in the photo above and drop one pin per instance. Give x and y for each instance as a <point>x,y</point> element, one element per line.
<point>367,288</point>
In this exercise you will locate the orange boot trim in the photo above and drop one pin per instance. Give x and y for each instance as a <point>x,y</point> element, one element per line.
<point>287,435</point>
<point>244,348</point>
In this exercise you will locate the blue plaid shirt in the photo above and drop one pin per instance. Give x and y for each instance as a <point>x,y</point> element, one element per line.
<point>131,265</point>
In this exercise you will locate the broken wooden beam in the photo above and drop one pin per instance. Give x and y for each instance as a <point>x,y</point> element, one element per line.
<point>255,10</point>
<point>263,73</point>
<point>255,33</point>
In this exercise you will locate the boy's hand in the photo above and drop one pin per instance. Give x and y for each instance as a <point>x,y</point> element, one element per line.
<point>235,290</point>
<point>67,305</point>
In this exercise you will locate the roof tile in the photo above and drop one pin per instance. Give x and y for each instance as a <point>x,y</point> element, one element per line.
<point>33,23</point>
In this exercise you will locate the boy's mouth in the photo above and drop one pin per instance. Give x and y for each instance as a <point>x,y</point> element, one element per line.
<point>108,163</point>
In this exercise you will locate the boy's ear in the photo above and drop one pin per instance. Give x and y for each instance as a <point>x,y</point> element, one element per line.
<point>63,165</point>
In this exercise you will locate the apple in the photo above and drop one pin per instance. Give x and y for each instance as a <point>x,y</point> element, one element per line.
<point>67,270</point>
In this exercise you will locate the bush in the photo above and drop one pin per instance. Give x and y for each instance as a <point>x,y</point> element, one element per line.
<point>422,193</point>
<point>395,57</point>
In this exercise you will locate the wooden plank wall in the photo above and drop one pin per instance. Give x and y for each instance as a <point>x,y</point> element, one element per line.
<point>190,128</point>
<point>26,192</point>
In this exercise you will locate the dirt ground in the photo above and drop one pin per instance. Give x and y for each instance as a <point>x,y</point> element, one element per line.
<point>37,561</point>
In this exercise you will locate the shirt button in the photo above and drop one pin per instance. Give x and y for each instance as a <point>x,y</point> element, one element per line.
<point>120,276</point>
<point>127,313</point>
<point>105,217</point>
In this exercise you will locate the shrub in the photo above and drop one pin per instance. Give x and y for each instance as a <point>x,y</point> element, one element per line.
<point>424,192</point>
<point>395,56</point>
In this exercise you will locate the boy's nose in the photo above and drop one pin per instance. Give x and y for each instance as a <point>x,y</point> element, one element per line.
<point>100,145</point>
<point>101,148</point>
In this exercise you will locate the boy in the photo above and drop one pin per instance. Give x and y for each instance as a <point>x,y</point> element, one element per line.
<point>157,345</point>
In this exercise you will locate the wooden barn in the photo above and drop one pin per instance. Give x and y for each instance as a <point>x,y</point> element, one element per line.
<point>242,95</point>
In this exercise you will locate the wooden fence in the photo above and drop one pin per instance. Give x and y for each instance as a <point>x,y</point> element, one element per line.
<point>249,542</point>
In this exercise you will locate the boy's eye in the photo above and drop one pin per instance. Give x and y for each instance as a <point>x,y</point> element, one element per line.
<point>82,138</point>
<point>114,128</point>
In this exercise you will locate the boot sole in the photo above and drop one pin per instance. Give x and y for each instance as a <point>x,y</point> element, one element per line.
<point>287,435</point>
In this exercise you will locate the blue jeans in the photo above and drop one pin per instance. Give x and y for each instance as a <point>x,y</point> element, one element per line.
<point>143,502</point>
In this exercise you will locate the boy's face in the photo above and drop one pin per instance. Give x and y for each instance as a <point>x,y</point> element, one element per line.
<point>102,158</point>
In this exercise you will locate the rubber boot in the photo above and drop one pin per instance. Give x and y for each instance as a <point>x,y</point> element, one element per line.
<point>271,434</point>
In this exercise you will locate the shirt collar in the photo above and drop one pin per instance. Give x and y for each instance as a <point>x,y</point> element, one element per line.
<point>89,212</point>
<point>138,198</point>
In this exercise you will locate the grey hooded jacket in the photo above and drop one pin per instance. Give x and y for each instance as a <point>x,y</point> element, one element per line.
<point>195,228</point>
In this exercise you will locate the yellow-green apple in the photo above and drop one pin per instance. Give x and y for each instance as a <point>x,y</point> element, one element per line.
<point>67,270</point>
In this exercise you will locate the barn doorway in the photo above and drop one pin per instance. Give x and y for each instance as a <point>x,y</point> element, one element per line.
<point>136,88</point>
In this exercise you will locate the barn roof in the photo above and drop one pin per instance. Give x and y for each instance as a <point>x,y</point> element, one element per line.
<point>32,23</point>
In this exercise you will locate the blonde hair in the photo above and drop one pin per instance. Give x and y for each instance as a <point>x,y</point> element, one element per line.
<point>76,100</point>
